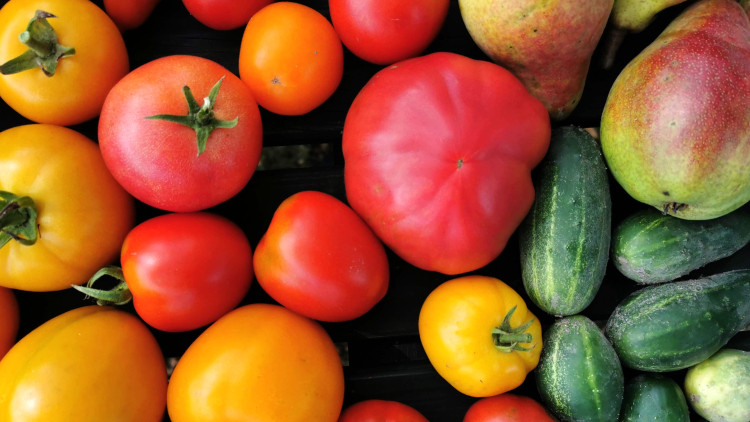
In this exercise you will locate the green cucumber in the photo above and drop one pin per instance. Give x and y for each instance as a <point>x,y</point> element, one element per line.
<point>719,387</point>
<point>672,326</point>
<point>579,376</point>
<point>652,397</point>
<point>565,238</point>
<point>650,247</point>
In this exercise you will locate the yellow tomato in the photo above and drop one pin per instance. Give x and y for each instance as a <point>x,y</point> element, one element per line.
<point>479,335</point>
<point>260,363</point>
<point>93,363</point>
<point>83,214</point>
<point>76,91</point>
<point>8,320</point>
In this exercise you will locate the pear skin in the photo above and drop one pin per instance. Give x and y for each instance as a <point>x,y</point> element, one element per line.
<point>675,129</point>
<point>547,44</point>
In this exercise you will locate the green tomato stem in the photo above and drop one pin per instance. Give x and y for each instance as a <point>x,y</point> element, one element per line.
<point>17,219</point>
<point>44,51</point>
<point>200,118</point>
<point>118,295</point>
<point>508,339</point>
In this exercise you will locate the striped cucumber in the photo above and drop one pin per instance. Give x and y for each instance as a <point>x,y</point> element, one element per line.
<point>579,376</point>
<point>653,397</point>
<point>672,326</point>
<point>565,238</point>
<point>650,247</point>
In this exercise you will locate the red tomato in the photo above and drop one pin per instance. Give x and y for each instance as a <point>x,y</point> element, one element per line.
<point>381,411</point>
<point>291,58</point>
<point>8,320</point>
<point>159,161</point>
<point>507,408</point>
<point>224,14</point>
<point>129,14</point>
<point>318,258</point>
<point>438,153</point>
<point>387,31</point>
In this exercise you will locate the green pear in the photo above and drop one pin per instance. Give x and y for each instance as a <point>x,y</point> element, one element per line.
<point>547,44</point>
<point>675,130</point>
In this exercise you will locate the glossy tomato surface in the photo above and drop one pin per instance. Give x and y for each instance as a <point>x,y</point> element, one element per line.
<point>83,214</point>
<point>260,363</point>
<point>9,320</point>
<point>129,14</point>
<point>387,31</point>
<point>438,155</point>
<point>158,161</point>
<point>76,91</point>
<point>320,259</point>
<point>291,58</point>
<point>185,270</point>
<point>90,364</point>
<point>381,411</point>
<point>507,407</point>
<point>224,14</point>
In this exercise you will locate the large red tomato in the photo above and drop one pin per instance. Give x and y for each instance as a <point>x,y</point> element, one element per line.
<point>224,14</point>
<point>507,408</point>
<point>438,153</point>
<point>381,411</point>
<point>176,139</point>
<point>318,258</point>
<point>387,31</point>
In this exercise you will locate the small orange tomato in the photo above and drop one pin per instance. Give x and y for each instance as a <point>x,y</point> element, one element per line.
<point>8,320</point>
<point>291,58</point>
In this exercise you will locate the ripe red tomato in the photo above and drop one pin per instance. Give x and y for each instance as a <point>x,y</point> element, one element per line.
<point>291,58</point>
<point>381,411</point>
<point>507,408</point>
<point>387,31</point>
<point>438,153</point>
<point>129,14</point>
<point>160,161</point>
<point>8,320</point>
<point>318,258</point>
<point>224,14</point>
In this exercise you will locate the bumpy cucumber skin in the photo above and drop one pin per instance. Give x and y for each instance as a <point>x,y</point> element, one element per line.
<point>672,326</point>
<point>650,247</point>
<point>652,397</point>
<point>719,387</point>
<point>579,376</point>
<point>565,238</point>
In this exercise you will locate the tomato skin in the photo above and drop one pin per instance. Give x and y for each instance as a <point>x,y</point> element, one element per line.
<point>381,411</point>
<point>129,14</point>
<point>84,214</point>
<point>9,320</point>
<point>186,270</point>
<point>507,407</point>
<point>86,364</point>
<point>77,90</point>
<point>438,153</point>
<point>387,31</point>
<point>157,161</point>
<point>291,58</point>
<point>456,325</point>
<point>261,363</point>
<point>318,258</point>
<point>224,14</point>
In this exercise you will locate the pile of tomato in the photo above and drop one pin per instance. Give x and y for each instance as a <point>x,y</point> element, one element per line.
<point>438,151</point>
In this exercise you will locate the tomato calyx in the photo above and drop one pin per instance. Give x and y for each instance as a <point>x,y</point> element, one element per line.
<point>118,295</point>
<point>17,219</point>
<point>507,339</point>
<point>200,117</point>
<point>44,50</point>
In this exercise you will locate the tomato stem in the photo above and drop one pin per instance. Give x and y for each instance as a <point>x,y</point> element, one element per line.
<point>507,339</point>
<point>200,117</point>
<point>17,219</point>
<point>118,295</point>
<point>44,51</point>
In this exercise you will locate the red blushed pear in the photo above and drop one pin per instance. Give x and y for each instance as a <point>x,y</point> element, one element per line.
<point>547,44</point>
<point>675,129</point>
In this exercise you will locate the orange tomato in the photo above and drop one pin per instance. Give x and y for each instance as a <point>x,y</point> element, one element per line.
<point>260,363</point>
<point>291,58</point>
<point>76,91</point>
<point>90,364</point>
<point>8,320</point>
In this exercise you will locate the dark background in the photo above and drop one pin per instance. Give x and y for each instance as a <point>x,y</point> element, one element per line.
<point>381,351</point>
